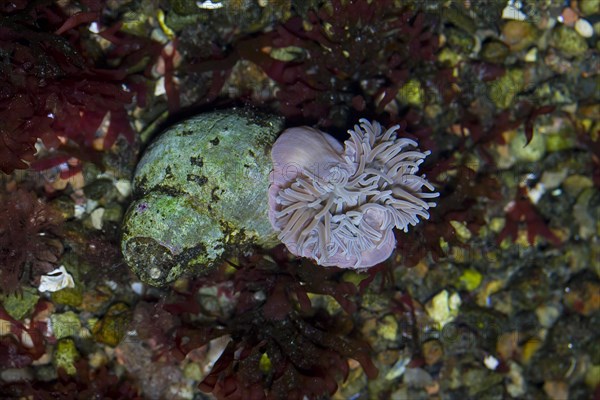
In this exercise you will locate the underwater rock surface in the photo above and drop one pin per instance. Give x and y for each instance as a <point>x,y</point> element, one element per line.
<point>200,192</point>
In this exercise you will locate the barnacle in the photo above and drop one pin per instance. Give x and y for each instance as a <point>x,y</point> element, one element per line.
<point>339,206</point>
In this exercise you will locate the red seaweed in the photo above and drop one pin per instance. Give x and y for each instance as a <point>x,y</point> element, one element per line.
<point>356,55</point>
<point>273,317</point>
<point>53,90</point>
<point>29,238</point>
<point>520,211</point>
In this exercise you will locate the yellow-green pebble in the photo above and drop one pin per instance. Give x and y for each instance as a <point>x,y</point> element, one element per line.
<point>265,364</point>
<point>528,152</point>
<point>519,35</point>
<point>443,307</point>
<point>494,52</point>
<point>568,41</point>
<point>463,233</point>
<point>388,328</point>
<point>411,93</point>
<point>289,53</point>
<point>559,141</point>
<point>470,279</point>
<point>65,325</point>
<point>111,328</point>
<point>68,296</point>
<point>503,91</point>
<point>589,7</point>
<point>193,371</point>
<point>65,356</point>
<point>450,56</point>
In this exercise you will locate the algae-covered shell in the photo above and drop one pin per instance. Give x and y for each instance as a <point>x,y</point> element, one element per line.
<point>200,193</point>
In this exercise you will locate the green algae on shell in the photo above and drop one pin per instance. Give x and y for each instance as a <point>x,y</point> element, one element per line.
<point>201,193</point>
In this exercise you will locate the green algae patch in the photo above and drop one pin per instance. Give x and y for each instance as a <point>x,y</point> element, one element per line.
<point>18,305</point>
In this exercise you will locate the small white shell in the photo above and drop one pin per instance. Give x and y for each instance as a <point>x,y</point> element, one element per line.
<point>511,11</point>
<point>56,280</point>
<point>209,5</point>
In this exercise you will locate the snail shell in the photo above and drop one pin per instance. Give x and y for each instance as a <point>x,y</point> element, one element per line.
<point>200,193</point>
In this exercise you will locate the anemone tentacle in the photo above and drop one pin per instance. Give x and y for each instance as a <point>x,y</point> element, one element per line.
<point>344,214</point>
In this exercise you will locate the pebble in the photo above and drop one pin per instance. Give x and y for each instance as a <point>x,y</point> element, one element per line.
<point>443,308</point>
<point>528,152</point>
<point>96,217</point>
<point>15,375</point>
<point>553,179</point>
<point>589,7</point>
<point>584,28</point>
<point>491,362</point>
<point>515,384</point>
<point>124,187</point>
<point>519,35</point>
<point>417,377</point>
<point>547,315</point>
<point>584,215</point>
<point>568,17</point>
<point>569,42</point>
<point>388,328</point>
<point>556,390</point>
<point>531,55</point>
<point>209,5</point>
<point>513,12</point>
<point>432,351</point>
<point>398,369</point>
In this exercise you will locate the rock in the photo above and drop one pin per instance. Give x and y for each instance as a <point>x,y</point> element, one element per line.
<point>519,35</point>
<point>65,356</point>
<point>515,384</point>
<point>470,279</point>
<point>589,7</point>
<point>584,28</point>
<point>443,307</point>
<point>388,328</point>
<point>10,375</point>
<point>432,351</point>
<point>584,213</point>
<point>112,327</point>
<point>411,93</point>
<point>568,41</point>
<point>201,193</point>
<point>417,377</point>
<point>503,90</point>
<point>65,325</point>
<point>583,296</point>
<point>68,296</point>
<point>528,152</point>
<point>494,52</point>
<point>102,190</point>
<point>556,390</point>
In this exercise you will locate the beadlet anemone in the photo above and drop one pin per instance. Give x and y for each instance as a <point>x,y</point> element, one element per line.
<point>339,205</point>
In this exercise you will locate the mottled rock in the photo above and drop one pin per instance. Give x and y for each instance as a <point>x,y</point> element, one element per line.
<point>568,41</point>
<point>201,193</point>
<point>112,327</point>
